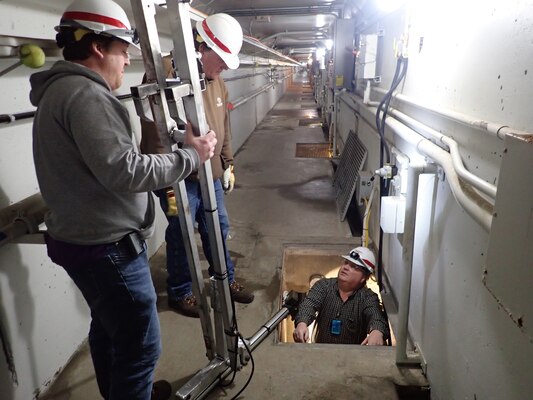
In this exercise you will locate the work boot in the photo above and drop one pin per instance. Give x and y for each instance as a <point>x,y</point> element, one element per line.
<point>161,390</point>
<point>239,294</point>
<point>187,306</point>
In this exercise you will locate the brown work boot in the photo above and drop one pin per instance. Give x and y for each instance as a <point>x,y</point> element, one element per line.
<point>187,306</point>
<point>239,294</point>
<point>161,390</point>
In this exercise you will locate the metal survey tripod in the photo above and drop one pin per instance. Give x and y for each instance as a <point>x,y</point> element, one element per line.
<point>170,103</point>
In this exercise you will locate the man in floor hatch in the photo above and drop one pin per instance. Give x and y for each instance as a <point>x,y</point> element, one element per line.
<point>346,311</point>
<point>218,40</point>
<point>96,185</point>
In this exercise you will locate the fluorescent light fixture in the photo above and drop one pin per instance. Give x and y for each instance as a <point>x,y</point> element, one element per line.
<point>390,5</point>
<point>329,44</point>
<point>320,52</point>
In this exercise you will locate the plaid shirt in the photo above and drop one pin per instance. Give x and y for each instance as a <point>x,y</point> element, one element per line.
<point>359,315</point>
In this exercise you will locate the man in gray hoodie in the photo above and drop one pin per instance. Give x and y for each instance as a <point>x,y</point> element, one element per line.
<point>96,185</point>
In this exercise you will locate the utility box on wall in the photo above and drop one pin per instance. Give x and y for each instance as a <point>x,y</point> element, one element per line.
<point>392,219</point>
<point>365,64</point>
<point>344,53</point>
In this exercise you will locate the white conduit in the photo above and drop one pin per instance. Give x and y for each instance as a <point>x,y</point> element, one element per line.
<point>478,211</point>
<point>441,157</point>
<point>466,175</point>
<point>498,130</point>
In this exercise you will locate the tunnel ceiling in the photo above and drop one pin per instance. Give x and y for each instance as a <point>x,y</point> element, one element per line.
<point>293,27</point>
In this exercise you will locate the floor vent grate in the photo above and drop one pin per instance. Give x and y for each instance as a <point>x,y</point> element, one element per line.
<point>313,150</point>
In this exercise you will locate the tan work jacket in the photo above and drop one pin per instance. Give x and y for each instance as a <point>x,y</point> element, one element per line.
<point>217,114</point>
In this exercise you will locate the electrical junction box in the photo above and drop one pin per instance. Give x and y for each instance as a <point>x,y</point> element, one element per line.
<point>392,219</point>
<point>366,60</point>
<point>364,186</point>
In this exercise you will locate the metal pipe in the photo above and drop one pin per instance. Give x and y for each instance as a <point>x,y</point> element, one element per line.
<point>498,130</point>
<point>290,33</point>
<point>21,219</point>
<point>466,175</point>
<point>302,10</point>
<point>478,208</point>
<point>8,118</point>
<point>257,338</point>
<point>243,99</point>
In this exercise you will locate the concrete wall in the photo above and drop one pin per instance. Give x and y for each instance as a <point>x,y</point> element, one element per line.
<point>43,318</point>
<point>473,58</point>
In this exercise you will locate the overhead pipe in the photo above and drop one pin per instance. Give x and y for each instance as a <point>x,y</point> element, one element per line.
<point>302,10</point>
<point>21,219</point>
<point>495,129</point>
<point>290,33</point>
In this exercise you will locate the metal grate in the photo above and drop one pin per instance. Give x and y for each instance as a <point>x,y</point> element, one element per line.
<point>351,162</point>
<point>313,150</point>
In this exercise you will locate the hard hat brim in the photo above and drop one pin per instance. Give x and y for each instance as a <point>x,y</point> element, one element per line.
<point>358,263</point>
<point>232,60</point>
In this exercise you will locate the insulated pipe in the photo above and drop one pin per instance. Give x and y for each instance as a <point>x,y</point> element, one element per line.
<point>498,130</point>
<point>22,218</point>
<point>408,243</point>
<point>466,175</point>
<point>479,209</point>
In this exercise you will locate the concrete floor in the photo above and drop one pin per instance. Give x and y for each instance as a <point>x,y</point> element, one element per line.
<point>279,202</point>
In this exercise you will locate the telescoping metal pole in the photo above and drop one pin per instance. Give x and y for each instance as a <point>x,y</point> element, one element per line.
<point>151,104</point>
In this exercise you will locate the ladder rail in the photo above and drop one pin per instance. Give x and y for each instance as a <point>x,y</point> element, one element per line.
<point>144,14</point>
<point>183,42</point>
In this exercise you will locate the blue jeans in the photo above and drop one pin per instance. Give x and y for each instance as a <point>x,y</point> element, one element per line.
<point>179,283</point>
<point>124,336</point>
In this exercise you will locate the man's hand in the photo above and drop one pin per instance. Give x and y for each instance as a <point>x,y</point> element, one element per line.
<point>301,333</point>
<point>374,338</point>
<point>204,145</point>
<point>228,179</point>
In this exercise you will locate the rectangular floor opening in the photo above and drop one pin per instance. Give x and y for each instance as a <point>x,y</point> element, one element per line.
<point>301,267</point>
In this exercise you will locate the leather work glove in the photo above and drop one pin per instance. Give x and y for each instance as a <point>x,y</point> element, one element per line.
<point>228,180</point>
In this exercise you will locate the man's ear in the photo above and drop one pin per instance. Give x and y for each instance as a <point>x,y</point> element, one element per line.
<point>203,48</point>
<point>97,49</point>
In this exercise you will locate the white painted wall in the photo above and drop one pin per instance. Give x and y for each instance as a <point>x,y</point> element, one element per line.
<point>43,317</point>
<point>476,59</point>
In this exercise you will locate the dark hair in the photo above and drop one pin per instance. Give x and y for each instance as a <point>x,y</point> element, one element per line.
<point>198,40</point>
<point>80,50</point>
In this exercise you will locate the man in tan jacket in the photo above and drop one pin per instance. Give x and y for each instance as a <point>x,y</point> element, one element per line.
<point>218,40</point>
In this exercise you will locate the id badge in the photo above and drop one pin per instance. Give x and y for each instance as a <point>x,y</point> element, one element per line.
<point>335,327</point>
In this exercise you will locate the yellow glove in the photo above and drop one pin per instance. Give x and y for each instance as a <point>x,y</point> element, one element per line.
<point>228,180</point>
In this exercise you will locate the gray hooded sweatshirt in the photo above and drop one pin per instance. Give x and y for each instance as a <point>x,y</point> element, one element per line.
<point>94,181</point>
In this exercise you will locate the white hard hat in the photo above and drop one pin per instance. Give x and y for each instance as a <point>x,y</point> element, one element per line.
<point>222,33</point>
<point>363,257</point>
<point>101,17</point>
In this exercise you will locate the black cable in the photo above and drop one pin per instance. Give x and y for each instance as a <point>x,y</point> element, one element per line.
<point>251,372</point>
<point>383,107</point>
<point>380,122</point>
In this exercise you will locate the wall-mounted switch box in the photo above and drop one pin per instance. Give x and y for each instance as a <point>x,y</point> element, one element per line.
<point>392,219</point>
